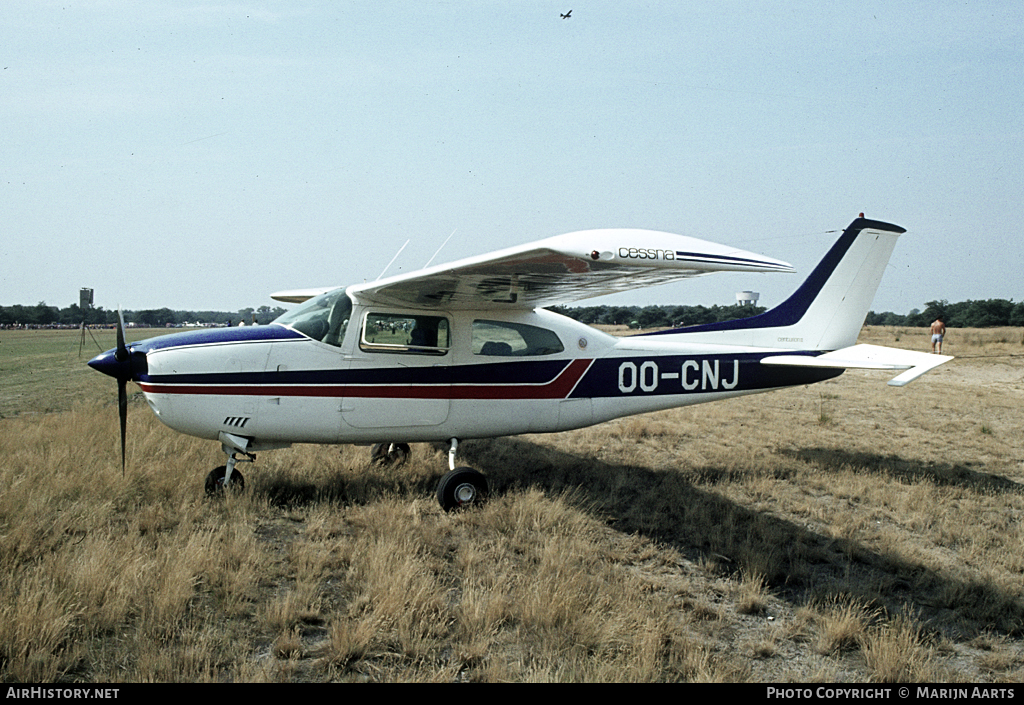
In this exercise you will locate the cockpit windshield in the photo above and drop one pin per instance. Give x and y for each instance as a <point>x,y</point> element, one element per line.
<point>322,318</point>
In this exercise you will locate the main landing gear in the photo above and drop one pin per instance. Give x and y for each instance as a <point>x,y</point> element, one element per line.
<point>385,454</point>
<point>460,487</point>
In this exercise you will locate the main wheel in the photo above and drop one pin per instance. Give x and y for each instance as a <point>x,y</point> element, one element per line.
<point>215,481</point>
<point>460,488</point>
<point>390,453</point>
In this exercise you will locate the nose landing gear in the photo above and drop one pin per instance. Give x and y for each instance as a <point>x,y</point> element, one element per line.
<point>226,477</point>
<point>218,481</point>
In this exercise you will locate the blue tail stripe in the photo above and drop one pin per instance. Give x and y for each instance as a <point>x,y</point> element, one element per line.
<point>792,309</point>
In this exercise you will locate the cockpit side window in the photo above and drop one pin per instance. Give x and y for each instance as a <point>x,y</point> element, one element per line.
<point>405,333</point>
<point>323,318</point>
<point>502,338</point>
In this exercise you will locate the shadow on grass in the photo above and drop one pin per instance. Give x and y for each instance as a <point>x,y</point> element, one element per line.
<point>910,471</point>
<point>676,507</point>
<point>799,563</point>
<point>360,485</point>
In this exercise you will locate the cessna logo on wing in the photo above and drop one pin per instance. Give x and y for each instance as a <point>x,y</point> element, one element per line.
<point>646,253</point>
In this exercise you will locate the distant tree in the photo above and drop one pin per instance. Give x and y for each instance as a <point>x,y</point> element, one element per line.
<point>155,318</point>
<point>887,318</point>
<point>618,315</point>
<point>731,313</point>
<point>70,316</point>
<point>934,310</point>
<point>1017,314</point>
<point>589,314</point>
<point>696,316</point>
<point>245,315</point>
<point>44,315</point>
<point>653,317</point>
<point>989,313</point>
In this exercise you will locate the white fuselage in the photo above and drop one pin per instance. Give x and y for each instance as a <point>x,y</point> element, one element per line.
<point>458,351</point>
<point>282,387</point>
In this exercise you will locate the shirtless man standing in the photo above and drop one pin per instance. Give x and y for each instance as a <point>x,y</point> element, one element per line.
<point>938,330</point>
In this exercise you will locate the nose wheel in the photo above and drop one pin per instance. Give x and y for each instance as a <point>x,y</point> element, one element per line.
<point>460,487</point>
<point>217,482</point>
<point>226,477</point>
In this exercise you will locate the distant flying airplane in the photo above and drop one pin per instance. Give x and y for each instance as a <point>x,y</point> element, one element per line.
<point>566,15</point>
<point>466,350</point>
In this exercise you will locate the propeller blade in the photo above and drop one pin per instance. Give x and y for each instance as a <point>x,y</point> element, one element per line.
<point>122,412</point>
<point>121,353</point>
<point>124,365</point>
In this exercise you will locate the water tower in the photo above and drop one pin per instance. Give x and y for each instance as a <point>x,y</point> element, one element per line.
<point>744,298</point>
<point>84,304</point>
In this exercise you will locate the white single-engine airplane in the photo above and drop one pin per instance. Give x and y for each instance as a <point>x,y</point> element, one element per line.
<point>465,350</point>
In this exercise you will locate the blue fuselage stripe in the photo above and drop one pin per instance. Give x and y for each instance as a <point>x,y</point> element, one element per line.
<point>608,377</point>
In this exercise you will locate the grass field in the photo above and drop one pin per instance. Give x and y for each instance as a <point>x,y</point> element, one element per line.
<point>842,532</point>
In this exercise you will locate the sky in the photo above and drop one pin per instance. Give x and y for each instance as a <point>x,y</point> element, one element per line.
<point>202,155</point>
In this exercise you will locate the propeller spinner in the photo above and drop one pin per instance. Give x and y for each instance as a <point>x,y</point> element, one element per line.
<point>122,364</point>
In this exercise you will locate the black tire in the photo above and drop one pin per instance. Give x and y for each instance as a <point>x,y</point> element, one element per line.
<point>400,453</point>
<point>215,481</point>
<point>379,453</point>
<point>462,487</point>
<point>385,454</point>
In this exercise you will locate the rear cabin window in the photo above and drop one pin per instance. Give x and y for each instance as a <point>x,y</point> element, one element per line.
<point>501,338</point>
<point>405,333</point>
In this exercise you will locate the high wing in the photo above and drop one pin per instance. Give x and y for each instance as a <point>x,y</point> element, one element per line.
<point>561,269</point>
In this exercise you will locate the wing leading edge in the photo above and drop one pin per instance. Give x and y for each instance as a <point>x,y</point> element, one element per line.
<point>563,269</point>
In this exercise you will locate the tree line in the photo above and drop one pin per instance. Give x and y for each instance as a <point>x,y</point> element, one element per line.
<point>43,315</point>
<point>641,317</point>
<point>986,313</point>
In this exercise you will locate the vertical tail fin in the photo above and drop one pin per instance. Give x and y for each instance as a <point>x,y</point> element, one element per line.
<point>828,310</point>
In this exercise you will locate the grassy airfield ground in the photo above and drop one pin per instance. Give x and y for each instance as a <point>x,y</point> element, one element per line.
<point>841,532</point>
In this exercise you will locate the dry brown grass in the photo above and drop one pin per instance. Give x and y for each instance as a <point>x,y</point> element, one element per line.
<point>739,541</point>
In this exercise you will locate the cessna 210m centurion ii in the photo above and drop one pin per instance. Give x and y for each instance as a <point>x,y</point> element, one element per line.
<point>466,350</point>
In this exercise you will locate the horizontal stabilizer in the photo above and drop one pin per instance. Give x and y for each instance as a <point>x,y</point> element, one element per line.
<point>868,357</point>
